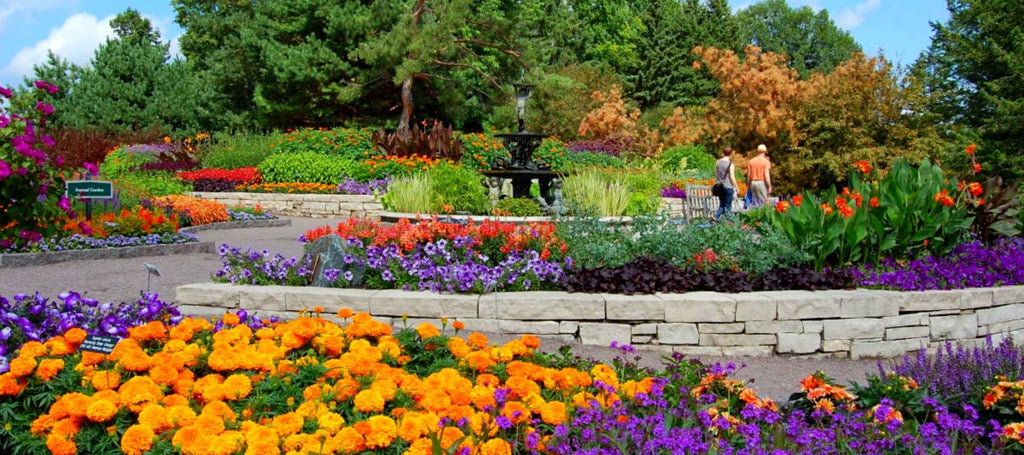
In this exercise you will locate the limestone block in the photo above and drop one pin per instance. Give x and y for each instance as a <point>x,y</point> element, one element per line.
<point>866,303</point>
<point>221,295</point>
<point>262,298</point>
<point>396,302</point>
<point>641,339</point>
<point>674,333</point>
<point>954,327</point>
<point>850,329</point>
<point>836,345</point>
<point>912,319</point>
<point>549,305</point>
<point>568,327</point>
<point>331,299</point>
<point>716,339</point>
<point>756,327</point>
<point>203,311</point>
<point>931,301</point>
<point>599,334</point>
<point>747,351</point>
<point>534,327</point>
<point>805,304</point>
<point>885,349</point>
<point>902,333</point>
<point>698,351</point>
<point>699,307</point>
<point>1000,327</point>
<point>1005,313</point>
<point>1007,294</point>
<point>798,343</point>
<point>729,327</point>
<point>620,307</point>
<point>754,306</point>
<point>971,298</point>
<point>645,329</point>
<point>813,326</point>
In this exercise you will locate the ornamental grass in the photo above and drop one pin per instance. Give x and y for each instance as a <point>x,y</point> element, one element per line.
<point>196,211</point>
<point>312,386</point>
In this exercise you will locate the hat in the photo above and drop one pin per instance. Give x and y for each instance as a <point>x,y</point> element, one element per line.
<point>761,148</point>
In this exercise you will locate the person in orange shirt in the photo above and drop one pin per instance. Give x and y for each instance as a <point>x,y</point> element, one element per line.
<point>759,177</point>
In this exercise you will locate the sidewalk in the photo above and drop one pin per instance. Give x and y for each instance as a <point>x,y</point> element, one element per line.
<point>123,279</point>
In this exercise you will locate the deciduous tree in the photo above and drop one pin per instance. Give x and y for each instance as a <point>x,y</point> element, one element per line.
<point>811,40</point>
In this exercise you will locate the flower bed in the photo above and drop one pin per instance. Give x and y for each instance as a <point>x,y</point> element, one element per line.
<point>312,386</point>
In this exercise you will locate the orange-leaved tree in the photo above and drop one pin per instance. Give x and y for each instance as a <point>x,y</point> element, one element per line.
<point>615,116</point>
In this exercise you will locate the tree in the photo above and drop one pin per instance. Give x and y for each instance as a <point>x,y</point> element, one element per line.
<point>132,27</point>
<point>811,40</point>
<point>974,71</point>
<point>664,74</point>
<point>130,86</point>
<point>59,72</point>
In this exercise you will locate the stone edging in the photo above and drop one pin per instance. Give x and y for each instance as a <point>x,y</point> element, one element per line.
<point>237,225</point>
<point>854,323</point>
<point>29,259</point>
<point>337,205</point>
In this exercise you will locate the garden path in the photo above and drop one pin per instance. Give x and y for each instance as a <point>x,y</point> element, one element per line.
<point>122,279</point>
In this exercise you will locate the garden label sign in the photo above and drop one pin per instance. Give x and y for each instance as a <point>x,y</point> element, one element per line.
<point>90,189</point>
<point>102,344</point>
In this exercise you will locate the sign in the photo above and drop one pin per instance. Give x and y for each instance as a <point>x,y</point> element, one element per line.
<point>99,343</point>
<point>90,189</point>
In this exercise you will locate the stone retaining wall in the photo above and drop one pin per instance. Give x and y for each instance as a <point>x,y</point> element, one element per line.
<point>27,259</point>
<point>855,324</point>
<point>336,205</point>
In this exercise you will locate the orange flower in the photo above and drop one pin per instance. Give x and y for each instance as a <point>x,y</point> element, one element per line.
<point>383,431</point>
<point>873,202</point>
<point>798,200</point>
<point>977,168</point>
<point>345,313</point>
<point>368,401</point>
<point>975,189</point>
<point>100,411</point>
<point>827,208</point>
<point>427,330</point>
<point>782,206</point>
<point>49,368</point>
<point>137,439</point>
<point>863,166</point>
<point>970,149</point>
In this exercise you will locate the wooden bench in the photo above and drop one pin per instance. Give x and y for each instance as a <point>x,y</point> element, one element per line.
<point>700,203</point>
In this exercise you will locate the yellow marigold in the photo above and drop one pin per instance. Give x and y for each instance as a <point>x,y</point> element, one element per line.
<point>261,440</point>
<point>605,374</point>
<point>368,401</point>
<point>331,422</point>
<point>49,368</point>
<point>238,386</point>
<point>61,444</point>
<point>495,447</point>
<point>427,330</point>
<point>383,432</point>
<point>59,347</point>
<point>137,439</point>
<point>101,411</point>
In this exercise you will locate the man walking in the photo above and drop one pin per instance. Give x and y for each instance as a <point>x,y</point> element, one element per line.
<point>759,177</point>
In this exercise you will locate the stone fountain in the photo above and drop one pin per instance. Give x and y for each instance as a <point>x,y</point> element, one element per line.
<point>522,170</point>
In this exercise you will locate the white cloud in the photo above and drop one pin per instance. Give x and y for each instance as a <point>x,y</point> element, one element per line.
<point>10,8</point>
<point>851,17</point>
<point>75,40</point>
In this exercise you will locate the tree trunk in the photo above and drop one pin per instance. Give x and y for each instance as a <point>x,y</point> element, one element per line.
<point>407,105</point>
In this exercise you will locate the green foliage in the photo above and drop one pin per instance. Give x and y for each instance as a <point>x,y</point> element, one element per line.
<point>594,243</point>
<point>554,153</point>
<point>57,71</point>
<point>972,70</point>
<point>687,157</point>
<point>583,159</point>
<point>350,143</point>
<point>459,188</point>
<point>134,187</point>
<point>905,394</point>
<point>908,221</point>
<point>123,160</point>
<point>517,206</point>
<point>237,150</point>
<point>305,167</point>
<point>811,40</point>
<point>561,98</point>
<point>644,191</point>
<point>409,194</point>
<point>593,191</point>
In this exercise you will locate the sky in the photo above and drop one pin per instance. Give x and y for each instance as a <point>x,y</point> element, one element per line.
<point>74,29</point>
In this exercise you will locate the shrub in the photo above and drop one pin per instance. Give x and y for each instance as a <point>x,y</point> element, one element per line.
<point>552,152</point>
<point>78,147</point>
<point>233,151</point>
<point>30,181</point>
<point>517,207</point>
<point>688,157</point>
<point>481,150</point>
<point>456,188</point>
<point>612,145</point>
<point>348,143</point>
<point>592,191</point>
<point>409,194</point>
<point>579,160</point>
<point>124,159</point>
<point>306,167</point>
<point>194,211</point>
<point>645,191</point>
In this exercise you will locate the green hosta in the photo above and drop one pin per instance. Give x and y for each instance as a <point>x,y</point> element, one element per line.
<point>910,212</point>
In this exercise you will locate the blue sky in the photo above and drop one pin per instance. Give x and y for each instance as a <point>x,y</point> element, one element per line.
<point>74,28</point>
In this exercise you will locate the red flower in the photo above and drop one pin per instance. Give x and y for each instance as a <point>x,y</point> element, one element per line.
<point>863,166</point>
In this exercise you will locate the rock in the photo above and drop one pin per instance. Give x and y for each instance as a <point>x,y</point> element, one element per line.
<point>330,252</point>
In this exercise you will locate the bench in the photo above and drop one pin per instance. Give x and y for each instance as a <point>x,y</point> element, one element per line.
<point>700,203</point>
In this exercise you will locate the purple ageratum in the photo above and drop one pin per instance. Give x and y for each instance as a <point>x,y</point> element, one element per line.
<point>969,265</point>
<point>350,186</point>
<point>81,242</point>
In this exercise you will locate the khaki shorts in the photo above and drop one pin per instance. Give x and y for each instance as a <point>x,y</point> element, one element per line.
<point>759,193</point>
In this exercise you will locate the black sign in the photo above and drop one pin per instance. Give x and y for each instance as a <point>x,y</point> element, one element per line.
<point>99,343</point>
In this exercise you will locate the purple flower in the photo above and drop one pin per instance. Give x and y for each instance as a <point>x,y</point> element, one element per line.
<point>91,168</point>
<point>5,169</point>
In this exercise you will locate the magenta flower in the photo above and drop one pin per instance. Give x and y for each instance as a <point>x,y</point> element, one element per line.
<point>6,92</point>
<point>4,121</point>
<point>64,203</point>
<point>45,108</point>
<point>91,168</point>
<point>59,161</point>
<point>5,169</point>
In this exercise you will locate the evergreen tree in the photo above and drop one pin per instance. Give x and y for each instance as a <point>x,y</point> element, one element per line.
<point>59,72</point>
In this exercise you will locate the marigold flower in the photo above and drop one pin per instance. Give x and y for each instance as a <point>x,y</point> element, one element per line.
<point>137,439</point>
<point>495,447</point>
<point>230,319</point>
<point>49,368</point>
<point>553,413</point>
<point>22,366</point>
<point>100,411</point>
<point>237,387</point>
<point>345,313</point>
<point>427,330</point>
<point>60,444</point>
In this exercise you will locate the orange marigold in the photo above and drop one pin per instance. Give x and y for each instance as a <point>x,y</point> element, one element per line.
<point>383,431</point>
<point>100,411</point>
<point>49,368</point>
<point>368,401</point>
<point>137,439</point>
<point>427,330</point>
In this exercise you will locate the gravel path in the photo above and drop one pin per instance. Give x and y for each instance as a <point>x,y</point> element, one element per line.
<point>123,279</point>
